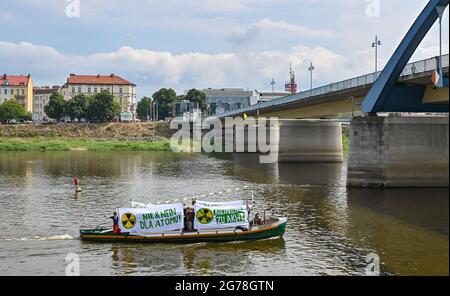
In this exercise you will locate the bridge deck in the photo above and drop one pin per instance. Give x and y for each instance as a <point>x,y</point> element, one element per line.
<point>418,72</point>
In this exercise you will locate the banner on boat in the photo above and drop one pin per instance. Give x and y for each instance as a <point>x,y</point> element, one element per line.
<point>219,204</point>
<point>217,217</point>
<point>158,218</point>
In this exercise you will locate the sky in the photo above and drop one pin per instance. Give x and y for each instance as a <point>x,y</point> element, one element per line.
<point>184,44</point>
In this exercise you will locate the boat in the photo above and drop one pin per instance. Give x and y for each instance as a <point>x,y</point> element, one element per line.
<point>270,228</point>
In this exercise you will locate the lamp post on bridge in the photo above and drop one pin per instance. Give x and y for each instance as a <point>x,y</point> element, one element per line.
<point>311,69</point>
<point>440,10</point>
<point>375,45</point>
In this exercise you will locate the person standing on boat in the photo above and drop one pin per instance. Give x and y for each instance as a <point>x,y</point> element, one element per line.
<point>115,218</point>
<point>190,216</point>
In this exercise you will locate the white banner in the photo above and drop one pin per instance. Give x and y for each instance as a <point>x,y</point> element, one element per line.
<point>220,217</point>
<point>138,205</point>
<point>158,218</point>
<point>220,204</point>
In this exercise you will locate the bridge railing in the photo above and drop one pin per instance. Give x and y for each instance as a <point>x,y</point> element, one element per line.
<point>364,80</point>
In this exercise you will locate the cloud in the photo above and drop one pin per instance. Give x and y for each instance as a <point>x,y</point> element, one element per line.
<point>268,29</point>
<point>151,70</point>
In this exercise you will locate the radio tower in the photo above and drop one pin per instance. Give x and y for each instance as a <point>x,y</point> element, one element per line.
<point>291,86</point>
<point>273,85</point>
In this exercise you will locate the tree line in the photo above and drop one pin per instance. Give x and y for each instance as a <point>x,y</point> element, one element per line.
<point>100,107</point>
<point>12,110</point>
<point>165,100</point>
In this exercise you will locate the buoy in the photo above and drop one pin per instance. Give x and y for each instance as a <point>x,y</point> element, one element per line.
<point>77,186</point>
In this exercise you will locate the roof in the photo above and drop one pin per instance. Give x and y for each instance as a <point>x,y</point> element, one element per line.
<point>14,80</point>
<point>272,94</point>
<point>98,79</point>
<point>45,90</point>
<point>229,92</point>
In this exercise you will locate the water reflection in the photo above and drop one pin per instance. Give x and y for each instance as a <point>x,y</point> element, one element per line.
<point>331,228</point>
<point>201,258</point>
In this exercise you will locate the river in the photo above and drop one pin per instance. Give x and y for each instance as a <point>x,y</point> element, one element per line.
<point>331,228</point>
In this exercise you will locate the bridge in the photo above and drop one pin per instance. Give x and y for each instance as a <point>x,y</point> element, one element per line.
<point>343,99</point>
<point>385,151</point>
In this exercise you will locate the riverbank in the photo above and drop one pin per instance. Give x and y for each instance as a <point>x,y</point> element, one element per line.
<point>17,144</point>
<point>144,136</point>
<point>95,137</point>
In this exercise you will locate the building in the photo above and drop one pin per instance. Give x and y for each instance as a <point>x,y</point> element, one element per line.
<point>269,96</point>
<point>123,91</point>
<point>41,98</point>
<point>229,99</point>
<point>183,107</point>
<point>187,110</point>
<point>18,88</point>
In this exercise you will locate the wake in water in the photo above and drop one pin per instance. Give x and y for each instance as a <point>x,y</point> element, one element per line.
<point>39,238</point>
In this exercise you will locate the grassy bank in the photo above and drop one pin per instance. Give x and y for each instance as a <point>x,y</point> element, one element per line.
<point>21,144</point>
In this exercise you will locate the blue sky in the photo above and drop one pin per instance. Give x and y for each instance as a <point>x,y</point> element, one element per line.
<point>204,43</point>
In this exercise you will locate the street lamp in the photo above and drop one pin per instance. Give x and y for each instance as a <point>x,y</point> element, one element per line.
<point>311,69</point>
<point>440,10</point>
<point>375,45</point>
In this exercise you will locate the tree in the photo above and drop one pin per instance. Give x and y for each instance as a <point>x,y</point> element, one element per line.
<point>197,96</point>
<point>143,108</point>
<point>165,99</point>
<point>102,108</point>
<point>56,106</point>
<point>13,110</point>
<point>77,107</point>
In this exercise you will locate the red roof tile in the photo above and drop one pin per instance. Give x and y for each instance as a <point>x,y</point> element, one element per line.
<point>14,80</point>
<point>98,79</point>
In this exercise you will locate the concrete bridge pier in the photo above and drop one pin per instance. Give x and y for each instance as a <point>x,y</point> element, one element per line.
<point>310,141</point>
<point>398,152</point>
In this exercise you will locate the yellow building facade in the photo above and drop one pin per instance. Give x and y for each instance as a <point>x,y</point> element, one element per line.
<point>18,88</point>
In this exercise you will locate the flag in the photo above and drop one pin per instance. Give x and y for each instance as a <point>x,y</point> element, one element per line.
<point>435,78</point>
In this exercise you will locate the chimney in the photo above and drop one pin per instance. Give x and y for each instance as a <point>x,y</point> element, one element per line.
<point>112,75</point>
<point>4,76</point>
<point>72,74</point>
<point>98,76</point>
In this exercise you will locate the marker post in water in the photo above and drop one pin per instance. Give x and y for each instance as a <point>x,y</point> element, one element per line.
<point>77,186</point>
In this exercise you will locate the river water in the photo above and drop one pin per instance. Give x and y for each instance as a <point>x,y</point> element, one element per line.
<point>331,228</point>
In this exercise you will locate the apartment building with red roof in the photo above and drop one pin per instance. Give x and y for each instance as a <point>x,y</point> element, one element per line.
<point>122,90</point>
<point>18,88</point>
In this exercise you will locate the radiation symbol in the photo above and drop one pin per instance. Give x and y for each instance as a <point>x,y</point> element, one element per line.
<point>205,216</point>
<point>128,220</point>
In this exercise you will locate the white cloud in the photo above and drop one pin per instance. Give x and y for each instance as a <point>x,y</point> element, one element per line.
<point>152,69</point>
<point>267,30</point>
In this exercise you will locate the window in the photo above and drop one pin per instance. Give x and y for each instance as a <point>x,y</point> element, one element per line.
<point>17,91</point>
<point>6,91</point>
<point>23,92</point>
<point>95,89</point>
<point>73,89</point>
<point>89,90</point>
<point>79,89</point>
<point>120,90</point>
